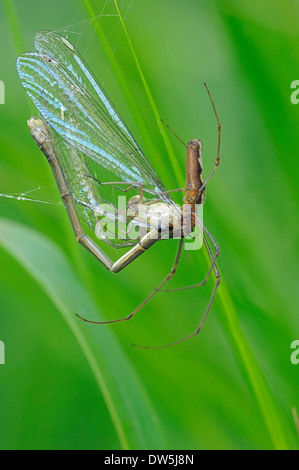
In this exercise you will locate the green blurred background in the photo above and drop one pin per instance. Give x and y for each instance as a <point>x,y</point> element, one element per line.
<point>68,385</point>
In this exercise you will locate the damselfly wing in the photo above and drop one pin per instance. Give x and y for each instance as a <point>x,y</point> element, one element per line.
<point>90,138</point>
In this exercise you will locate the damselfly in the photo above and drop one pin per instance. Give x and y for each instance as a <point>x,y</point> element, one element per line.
<point>91,150</point>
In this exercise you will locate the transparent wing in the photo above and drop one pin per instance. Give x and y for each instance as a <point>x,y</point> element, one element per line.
<point>71,101</point>
<point>91,138</point>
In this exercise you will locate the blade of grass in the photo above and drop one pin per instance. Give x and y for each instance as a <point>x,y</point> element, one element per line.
<point>264,397</point>
<point>129,96</point>
<point>134,418</point>
<point>258,382</point>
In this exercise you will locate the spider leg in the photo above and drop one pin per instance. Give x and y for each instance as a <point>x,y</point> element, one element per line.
<point>167,278</point>
<point>199,328</point>
<point>218,149</point>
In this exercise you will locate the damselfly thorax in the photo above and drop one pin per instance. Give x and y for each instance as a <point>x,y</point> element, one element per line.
<point>91,150</point>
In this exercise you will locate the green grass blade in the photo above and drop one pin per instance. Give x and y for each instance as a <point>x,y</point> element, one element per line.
<point>133,416</point>
<point>264,397</point>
